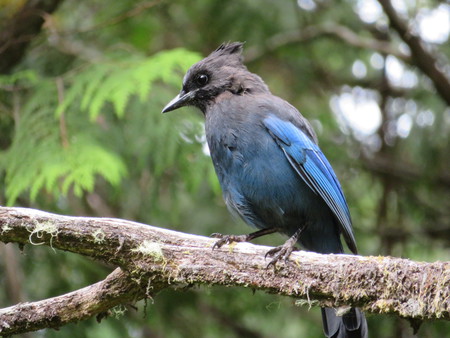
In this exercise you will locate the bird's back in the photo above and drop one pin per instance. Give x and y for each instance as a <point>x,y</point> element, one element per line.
<point>258,182</point>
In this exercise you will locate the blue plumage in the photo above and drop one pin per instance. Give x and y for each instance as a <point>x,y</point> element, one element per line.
<point>261,160</point>
<point>270,168</point>
<point>312,166</point>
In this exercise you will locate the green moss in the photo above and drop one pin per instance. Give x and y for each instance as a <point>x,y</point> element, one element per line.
<point>118,311</point>
<point>40,229</point>
<point>303,302</point>
<point>6,228</point>
<point>151,249</point>
<point>99,236</point>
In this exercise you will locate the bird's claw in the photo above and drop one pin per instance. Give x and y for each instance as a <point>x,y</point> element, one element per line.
<point>227,239</point>
<point>223,239</point>
<point>278,253</point>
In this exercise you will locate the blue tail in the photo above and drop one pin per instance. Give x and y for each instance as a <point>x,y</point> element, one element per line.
<point>350,325</point>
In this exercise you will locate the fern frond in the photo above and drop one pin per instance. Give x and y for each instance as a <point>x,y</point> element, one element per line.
<point>116,81</point>
<point>38,160</point>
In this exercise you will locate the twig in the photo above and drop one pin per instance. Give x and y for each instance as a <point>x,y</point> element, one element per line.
<point>313,32</point>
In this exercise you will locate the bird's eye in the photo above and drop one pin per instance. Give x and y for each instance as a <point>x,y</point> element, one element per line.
<point>202,79</point>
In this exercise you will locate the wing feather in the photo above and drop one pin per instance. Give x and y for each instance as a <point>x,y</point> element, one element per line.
<point>311,165</point>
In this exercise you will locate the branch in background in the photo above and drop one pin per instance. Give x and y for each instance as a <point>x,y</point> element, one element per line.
<point>96,299</point>
<point>403,171</point>
<point>138,9</point>
<point>231,323</point>
<point>12,274</point>
<point>17,32</point>
<point>424,59</point>
<point>151,259</point>
<point>68,45</point>
<point>312,32</point>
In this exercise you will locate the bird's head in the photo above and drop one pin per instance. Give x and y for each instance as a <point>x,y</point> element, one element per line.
<point>219,72</point>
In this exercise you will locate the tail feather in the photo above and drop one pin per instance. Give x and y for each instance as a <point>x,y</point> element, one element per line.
<point>350,325</point>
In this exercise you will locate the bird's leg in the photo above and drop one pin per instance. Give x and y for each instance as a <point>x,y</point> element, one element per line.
<point>227,239</point>
<point>285,250</point>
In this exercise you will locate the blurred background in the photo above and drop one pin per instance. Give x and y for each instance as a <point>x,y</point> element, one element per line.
<point>82,85</point>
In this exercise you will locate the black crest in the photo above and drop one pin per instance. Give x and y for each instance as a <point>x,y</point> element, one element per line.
<point>229,48</point>
<point>229,54</point>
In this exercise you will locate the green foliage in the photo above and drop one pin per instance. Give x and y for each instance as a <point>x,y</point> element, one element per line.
<point>54,152</point>
<point>117,79</point>
<point>38,159</point>
<point>25,77</point>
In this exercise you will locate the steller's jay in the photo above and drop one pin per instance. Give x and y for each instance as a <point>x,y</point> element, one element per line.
<point>270,168</point>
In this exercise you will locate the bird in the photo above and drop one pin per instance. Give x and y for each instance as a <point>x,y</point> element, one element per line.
<point>270,168</point>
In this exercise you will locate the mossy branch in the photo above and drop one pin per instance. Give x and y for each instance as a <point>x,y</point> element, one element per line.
<point>151,259</point>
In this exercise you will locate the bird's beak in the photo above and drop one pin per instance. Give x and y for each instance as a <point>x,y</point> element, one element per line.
<point>178,101</point>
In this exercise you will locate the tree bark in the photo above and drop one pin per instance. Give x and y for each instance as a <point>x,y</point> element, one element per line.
<point>17,32</point>
<point>54,312</point>
<point>151,259</point>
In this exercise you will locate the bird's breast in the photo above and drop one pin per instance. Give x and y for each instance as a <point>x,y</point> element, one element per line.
<point>248,161</point>
<point>260,184</point>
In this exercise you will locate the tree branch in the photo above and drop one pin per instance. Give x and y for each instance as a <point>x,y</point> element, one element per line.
<point>152,258</point>
<point>336,31</point>
<point>401,171</point>
<point>17,32</point>
<point>424,59</point>
<point>116,289</point>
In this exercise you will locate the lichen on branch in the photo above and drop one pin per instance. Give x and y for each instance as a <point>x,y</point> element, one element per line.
<point>151,259</point>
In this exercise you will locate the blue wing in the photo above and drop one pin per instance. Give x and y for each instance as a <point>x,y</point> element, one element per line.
<point>312,166</point>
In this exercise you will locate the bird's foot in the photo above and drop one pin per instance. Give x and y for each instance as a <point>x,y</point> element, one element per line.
<point>285,250</point>
<point>227,239</point>
<point>279,253</point>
